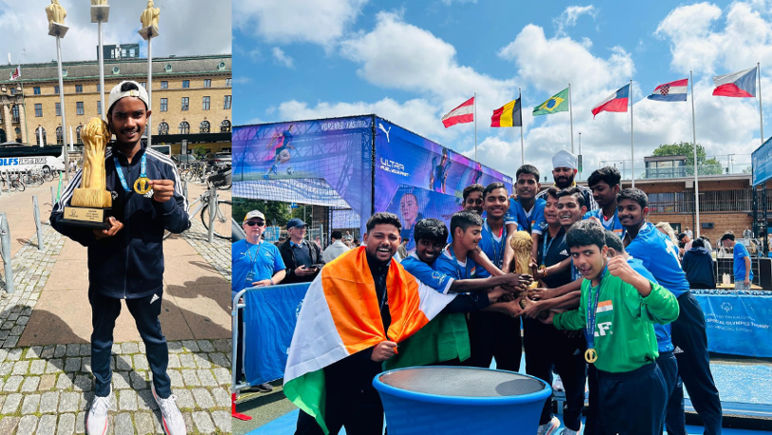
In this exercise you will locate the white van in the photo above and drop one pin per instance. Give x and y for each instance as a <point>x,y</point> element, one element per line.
<point>26,163</point>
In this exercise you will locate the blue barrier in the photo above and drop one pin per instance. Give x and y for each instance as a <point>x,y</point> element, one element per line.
<point>737,321</point>
<point>270,314</point>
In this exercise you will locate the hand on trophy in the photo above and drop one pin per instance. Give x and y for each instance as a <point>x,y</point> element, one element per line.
<point>163,190</point>
<point>115,226</point>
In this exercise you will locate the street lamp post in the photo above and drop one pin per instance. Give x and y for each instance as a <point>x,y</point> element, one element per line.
<point>149,30</point>
<point>56,13</point>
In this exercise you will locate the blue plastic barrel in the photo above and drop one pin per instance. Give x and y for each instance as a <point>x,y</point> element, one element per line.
<point>460,400</point>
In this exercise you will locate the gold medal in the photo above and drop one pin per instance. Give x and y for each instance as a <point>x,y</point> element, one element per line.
<point>142,185</point>
<point>590,355</point>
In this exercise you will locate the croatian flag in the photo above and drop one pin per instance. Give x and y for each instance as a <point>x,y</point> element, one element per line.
<point>461,114</point>
<point>673,91</point>
<point>616,102</point>
<point>739,84</point>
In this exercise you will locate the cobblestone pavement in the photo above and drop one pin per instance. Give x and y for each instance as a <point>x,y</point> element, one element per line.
<point>48,389</point>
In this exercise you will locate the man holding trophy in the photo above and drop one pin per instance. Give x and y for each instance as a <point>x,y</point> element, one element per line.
<point>118,205</point>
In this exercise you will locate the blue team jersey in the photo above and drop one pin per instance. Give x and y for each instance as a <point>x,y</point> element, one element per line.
<point>612,224</point>
<point>262,261</point>
<point>426,274</point>
<point>660,256</point>
<point>493,244</point>
<point>664,343</point>
<point>530,221</point>
<point>448,264</point>
<point>740,252</point>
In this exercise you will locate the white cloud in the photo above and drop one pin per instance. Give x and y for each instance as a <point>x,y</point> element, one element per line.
<point>570,15</point>
<point>399,55</point>
<point>551,63</point>
<point>459,2</point>
<point>280,56</point>
<point>697,39</point>
<point>25,29</point>
<point>281,21</point>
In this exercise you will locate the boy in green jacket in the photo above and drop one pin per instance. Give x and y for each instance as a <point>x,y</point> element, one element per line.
<point>619,305</point>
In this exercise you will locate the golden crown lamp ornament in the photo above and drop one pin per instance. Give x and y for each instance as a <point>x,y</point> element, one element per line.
<point>91,200</point>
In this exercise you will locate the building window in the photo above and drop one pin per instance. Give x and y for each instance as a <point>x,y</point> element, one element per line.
<point>143,84</point>
<point>205,103</point>
<point>227,102</point>
<point>99,107</point>
<point>56,89</point>
<point>79,109</point>
<point>185,84</point>
<point>228,82</point>
<point>225,126</point>
<point>40,132</point>
<point>59,136</point>
<point>164,104</point>
<point>164,84</point>
<point>185,103</point>
<point>77,133</point>
<point>163,128</point>
<point>15,113</point>
<point>38,110</point>
<point>36,90</point>
<point>184,127</point>
<point>204,126</point>
<point>99,87</point>
<point>207,83</point>
<point>58,109</point>
<point>78,89</point>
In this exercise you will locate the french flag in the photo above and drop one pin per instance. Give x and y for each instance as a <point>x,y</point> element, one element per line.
<point>673,91</point>
<point>739,84</point>
<point>616,102</point>
<point>461,114</point>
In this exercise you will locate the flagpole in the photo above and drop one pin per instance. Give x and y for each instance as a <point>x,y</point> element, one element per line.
<point>761,116</point>
<point>632,148</point>
<point>571,116</point>
<point>475,125</point>
<point>522,144</point>
<point>696,168</point>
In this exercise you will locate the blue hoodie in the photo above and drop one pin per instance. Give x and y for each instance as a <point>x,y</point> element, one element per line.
<point>130,264</point>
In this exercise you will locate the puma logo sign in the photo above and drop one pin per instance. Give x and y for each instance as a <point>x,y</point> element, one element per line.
<point>380,126</point>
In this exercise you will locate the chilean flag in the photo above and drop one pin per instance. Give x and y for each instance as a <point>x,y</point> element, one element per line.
<point>616,102</point>
<point>673,91</point>
<point>461,114</point>
<point>739,84</point>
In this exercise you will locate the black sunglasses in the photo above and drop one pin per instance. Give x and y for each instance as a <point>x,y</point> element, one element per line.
<point>253,223</point>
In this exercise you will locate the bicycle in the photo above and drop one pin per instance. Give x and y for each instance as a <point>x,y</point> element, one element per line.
<point>221,222</point>
<point>12,181</point>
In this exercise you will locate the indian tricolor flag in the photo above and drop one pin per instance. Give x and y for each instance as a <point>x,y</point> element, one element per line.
<point>604,306</point>
<point>341,316</point>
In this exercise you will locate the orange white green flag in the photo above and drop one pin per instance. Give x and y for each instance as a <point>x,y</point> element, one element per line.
<point>341,316</point>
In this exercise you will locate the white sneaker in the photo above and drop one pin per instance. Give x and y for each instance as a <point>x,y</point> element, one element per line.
<point>96,420</point>
<point>549,427</point>
<point>171,416</point>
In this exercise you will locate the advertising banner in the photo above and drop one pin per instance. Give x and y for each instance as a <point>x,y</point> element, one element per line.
<point>761,163</point>
<point>738,322</point>
<point>270,316</point>
<point>417,178</point>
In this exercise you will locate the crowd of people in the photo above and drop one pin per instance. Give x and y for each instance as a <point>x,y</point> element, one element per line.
<point>601,295</point>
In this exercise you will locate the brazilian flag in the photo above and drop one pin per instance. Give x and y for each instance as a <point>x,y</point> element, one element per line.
<point>556,103</point>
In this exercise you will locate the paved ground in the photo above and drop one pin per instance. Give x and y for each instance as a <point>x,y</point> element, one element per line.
<point>46,384</point>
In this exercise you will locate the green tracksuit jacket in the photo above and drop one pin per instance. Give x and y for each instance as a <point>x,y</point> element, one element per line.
<point>624,335</point>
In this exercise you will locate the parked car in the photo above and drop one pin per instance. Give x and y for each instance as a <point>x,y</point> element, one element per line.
<point>186,159</point>
<point>222,158</point>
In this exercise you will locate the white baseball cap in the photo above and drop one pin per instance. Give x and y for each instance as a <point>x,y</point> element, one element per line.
<point>116,93</point>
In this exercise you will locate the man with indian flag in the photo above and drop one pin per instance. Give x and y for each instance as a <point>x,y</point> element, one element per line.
<point>354,315</point>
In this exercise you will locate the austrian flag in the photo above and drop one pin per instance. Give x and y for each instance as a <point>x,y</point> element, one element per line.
<point>461,114</point>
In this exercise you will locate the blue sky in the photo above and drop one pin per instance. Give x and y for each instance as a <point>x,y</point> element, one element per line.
<point>412,61</point>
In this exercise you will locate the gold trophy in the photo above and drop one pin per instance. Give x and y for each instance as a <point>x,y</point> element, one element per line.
<point>91,201</point>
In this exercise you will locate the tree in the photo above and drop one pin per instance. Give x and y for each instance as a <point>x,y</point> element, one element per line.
<point>276,213</point>
<point>707,166</point>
